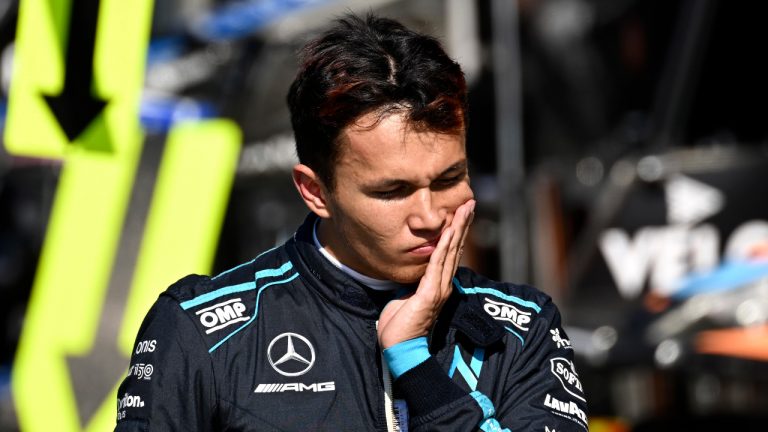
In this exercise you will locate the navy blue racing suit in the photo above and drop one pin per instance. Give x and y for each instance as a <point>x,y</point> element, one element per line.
<point>288,342</point>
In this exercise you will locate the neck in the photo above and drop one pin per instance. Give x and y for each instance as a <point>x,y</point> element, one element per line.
<point>373,283</point>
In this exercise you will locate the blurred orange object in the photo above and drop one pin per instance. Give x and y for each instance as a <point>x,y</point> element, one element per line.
<point>607,424</point>
<point>759,251</point>
<point>747,342</point>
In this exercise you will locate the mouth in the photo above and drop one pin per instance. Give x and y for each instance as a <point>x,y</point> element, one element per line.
<point>426,248</point>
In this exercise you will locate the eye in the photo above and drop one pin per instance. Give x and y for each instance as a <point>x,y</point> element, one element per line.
<point>389,194</point>
<point>446,182</point>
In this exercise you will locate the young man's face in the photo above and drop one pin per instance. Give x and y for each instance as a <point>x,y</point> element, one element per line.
<point>396,190</point>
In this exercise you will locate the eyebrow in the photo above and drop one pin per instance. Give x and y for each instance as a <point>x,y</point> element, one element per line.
<point>388,183</point>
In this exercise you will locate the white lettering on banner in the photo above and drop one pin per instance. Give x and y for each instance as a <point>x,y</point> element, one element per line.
<point>506,312</point>
<point>743,240</point>
<point>221,315</point>
<point>564,370</point>
<point>664,255</point>
<point>690,201</point>
<point>296,387</point>
<point>146,346</point>
<point>547,429</point>
<point>567,409</point>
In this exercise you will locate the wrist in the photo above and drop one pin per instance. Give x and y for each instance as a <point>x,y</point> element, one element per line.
<point>406,355</point>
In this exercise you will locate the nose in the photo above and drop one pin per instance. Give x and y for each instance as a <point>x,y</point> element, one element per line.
<point>427,216</point>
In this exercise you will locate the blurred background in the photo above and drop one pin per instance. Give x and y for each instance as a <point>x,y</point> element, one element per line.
<point>619,155</point>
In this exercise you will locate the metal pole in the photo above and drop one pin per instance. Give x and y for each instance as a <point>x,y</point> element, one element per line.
<point>513,241</point>
<point>681,72</point>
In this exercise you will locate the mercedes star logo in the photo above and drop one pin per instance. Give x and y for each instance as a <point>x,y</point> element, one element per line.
<point>289,360</point>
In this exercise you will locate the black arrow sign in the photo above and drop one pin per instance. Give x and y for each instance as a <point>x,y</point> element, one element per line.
<point>94,375</point>
<point>75,108</point>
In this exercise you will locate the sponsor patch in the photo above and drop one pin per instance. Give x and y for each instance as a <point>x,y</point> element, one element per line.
<point>559,340</point>
<point>221,315</point>
<point>145,346</point>
<point>291,354</point>
<point>507,312</point>
<point>295,387</point>
<point>565,372</point>
<point>566,409</point>
<point>142,371</point>
<point>128,401</point>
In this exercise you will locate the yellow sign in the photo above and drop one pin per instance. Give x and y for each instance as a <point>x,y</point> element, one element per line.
<point>93,191</point>
<point>68,331</point>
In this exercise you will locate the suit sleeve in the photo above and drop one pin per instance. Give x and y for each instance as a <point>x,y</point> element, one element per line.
<point>540,389</point>
<point>170,383</point>
<point>543,391</point>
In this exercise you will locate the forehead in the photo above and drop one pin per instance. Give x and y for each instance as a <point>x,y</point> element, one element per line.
<point>374,147</point>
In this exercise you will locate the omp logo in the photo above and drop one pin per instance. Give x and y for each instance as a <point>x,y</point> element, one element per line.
<point>146,346</point>
<point>559,340</point>
<point>142,371</point>
<point>565,372</point>
<point>296,387</point>
<point>129,401</point>
<point>221,315</point>
<point>566,409</point>
<point>506,312</point>
<point>547,429</point>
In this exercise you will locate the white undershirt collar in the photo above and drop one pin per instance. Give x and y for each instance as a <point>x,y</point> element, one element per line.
<point>374,284</point>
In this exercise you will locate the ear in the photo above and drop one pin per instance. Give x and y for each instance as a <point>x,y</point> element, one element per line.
<point>311,189</point>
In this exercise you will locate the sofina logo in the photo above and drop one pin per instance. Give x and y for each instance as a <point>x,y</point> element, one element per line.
<point>565,372</point>
<point>291,354</point>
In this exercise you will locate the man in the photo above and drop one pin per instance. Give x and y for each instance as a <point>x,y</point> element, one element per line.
<point>361,321</point>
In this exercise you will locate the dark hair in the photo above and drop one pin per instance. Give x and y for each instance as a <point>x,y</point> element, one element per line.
<point>366,65</point>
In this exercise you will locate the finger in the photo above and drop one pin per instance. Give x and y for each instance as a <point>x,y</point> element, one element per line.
<point>468,223</point>
<point>461,222</point>
<point>447,271</point>
<point>465,230</point>
<point>430,282</point>
<point>462,219</point>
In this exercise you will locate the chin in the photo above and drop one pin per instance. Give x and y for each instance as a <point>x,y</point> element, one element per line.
<point>408,274</point>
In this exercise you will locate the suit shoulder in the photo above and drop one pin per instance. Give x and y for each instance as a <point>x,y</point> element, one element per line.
<point>473,284</point>
<point>222,305</point>
<point>235,279</point>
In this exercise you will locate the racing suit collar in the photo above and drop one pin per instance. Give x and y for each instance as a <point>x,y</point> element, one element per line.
<point>464,314</point>
<point>332,283</point>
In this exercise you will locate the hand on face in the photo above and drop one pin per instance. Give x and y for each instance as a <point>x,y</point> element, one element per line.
<point>413,315</point>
